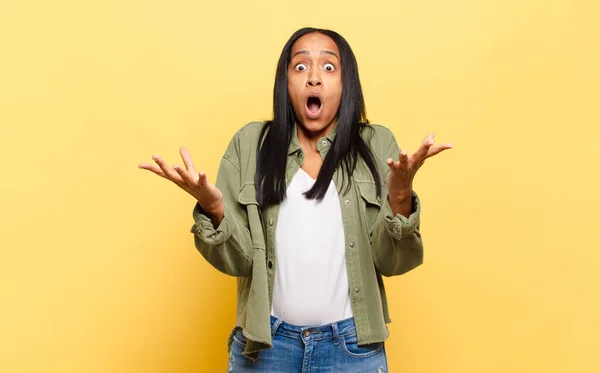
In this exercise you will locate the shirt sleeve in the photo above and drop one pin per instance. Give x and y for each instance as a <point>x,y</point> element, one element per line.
<point>228,246</point>
<point>396,240</point>
<point>399,226</point>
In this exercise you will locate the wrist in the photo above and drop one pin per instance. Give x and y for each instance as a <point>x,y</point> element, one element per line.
<point>215,214</point>
<point>215,210</point>
<point>400,196</point>
<point>401,202</point>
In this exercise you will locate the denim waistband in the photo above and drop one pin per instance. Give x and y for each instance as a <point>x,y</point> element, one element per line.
<point>315,332</point>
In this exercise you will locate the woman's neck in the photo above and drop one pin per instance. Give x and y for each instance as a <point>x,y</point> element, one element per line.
<point>309,140</point>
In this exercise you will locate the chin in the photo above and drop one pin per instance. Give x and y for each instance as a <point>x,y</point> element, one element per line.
<point>315,125</point>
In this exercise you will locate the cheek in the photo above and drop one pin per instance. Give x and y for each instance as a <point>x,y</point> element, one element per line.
<point>335,85</point>
<point>336,94</point>
<point>292,96</point>
<point>293,92</point>
<point>295,100</point>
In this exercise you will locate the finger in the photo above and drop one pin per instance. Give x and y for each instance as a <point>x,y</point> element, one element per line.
<point>392,165</point>
<point>187,176</point>
<point>202,180</point>
<point>168,170</point>
<point>403,159</point>
<point>438,149</point>
<point>187,160</point>
<point>153,168</point>
<point>421,153</point>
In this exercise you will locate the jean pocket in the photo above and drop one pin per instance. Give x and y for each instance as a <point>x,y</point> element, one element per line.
<point>353,349</point>
<point>238,336</point>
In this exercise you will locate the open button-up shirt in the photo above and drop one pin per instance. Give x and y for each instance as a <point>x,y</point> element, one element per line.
<point>378,243</point>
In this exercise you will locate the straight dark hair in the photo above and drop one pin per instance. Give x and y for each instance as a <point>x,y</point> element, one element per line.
<point>276,134</point>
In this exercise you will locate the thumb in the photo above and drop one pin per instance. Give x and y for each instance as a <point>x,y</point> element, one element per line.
<point>202,180</point>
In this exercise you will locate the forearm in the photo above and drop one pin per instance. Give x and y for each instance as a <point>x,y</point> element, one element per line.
<point>215,214</point>
<point>396,240</point>
<point>227,246</point>
<point>401,202</point>
<point>393,256</point>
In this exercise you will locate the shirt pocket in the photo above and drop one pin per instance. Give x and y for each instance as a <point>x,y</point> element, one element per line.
<point>246,198</point>
<point>247,195</point>
<point>372,203</point>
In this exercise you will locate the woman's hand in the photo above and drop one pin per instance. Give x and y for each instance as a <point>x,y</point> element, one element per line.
<point>195,183</point>
<point>402,173</point>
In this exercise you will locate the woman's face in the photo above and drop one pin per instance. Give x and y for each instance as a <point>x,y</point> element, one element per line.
<point>315,82</point>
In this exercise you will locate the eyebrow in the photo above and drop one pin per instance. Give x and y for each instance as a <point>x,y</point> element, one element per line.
<point>326,51</point>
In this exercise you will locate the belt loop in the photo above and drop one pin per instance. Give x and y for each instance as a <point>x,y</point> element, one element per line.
<point>336,334</point>
<point>275,326</point>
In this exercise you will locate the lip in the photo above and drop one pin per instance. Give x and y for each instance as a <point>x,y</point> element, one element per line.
<point>309,113</point>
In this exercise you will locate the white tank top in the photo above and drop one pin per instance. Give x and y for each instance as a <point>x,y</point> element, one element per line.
<point>311,280</point>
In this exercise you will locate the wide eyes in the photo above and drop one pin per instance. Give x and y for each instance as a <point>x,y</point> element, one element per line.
<point>302,67</point>
<point>329,67</point>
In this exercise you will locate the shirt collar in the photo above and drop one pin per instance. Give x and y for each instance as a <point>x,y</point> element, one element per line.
<point>295,144</point>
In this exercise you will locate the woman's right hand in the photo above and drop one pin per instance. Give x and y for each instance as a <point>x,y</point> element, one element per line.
<point>195,183</point>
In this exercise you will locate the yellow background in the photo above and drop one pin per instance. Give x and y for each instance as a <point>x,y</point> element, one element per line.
<point>98,272</point>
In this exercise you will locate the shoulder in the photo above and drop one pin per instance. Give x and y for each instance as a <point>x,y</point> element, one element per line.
<point>379,138</point>
<point>376,130</point>
<point>250,131</point>
<point>245,139</point>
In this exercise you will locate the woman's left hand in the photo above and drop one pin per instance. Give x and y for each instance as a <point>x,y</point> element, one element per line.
<point>403,172</point>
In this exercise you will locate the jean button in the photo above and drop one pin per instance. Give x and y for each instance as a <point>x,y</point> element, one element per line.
<point>307,334</point>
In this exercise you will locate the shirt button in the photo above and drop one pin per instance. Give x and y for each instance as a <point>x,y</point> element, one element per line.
<point>356,290</point>
<point>347,201</point>
<point>270,264</point>
<point>378,199</point>
<point>271,221</point>
<point>395,230</point>
<point>351,243</point>
<point>324,142</point>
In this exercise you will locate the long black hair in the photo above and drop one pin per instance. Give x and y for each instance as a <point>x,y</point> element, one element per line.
<point>276,135</point>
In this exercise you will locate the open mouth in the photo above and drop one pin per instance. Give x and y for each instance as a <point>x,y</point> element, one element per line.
<point>313,105</point>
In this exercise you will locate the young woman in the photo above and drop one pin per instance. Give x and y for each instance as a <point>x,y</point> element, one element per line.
<point>309,211</point>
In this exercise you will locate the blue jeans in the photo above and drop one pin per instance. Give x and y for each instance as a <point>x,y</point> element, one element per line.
<point>329,348</point>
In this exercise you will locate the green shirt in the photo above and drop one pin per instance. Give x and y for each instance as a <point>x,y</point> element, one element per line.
<point>378,243</point>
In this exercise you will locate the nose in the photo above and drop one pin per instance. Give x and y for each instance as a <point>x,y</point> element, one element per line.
<point>314,82</point>
<point>314,79</point>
